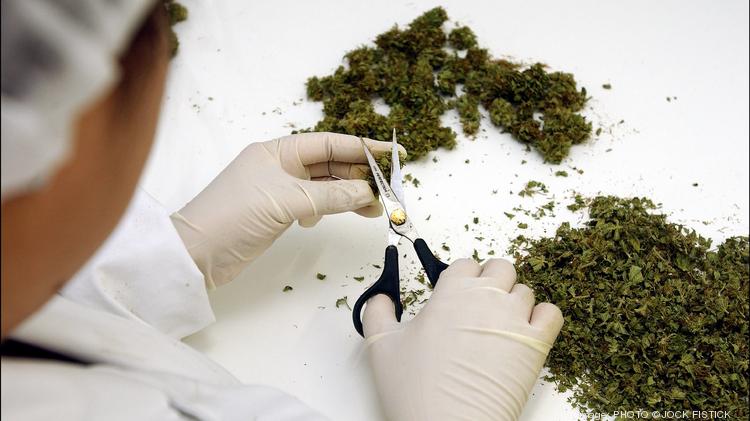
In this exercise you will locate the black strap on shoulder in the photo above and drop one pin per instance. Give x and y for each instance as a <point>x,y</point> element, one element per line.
<point>18,349</point>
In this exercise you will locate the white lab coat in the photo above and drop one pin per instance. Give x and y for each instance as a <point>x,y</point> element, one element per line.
<point>125,312</point>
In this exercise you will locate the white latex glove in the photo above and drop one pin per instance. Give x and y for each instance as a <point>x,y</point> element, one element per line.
<point>266,188</point>
<point>472,353</point>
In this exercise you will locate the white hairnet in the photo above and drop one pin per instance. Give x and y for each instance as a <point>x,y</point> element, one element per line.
<point>57,57</point>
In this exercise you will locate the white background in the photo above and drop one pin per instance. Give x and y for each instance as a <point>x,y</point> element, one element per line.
<point>241,73</point>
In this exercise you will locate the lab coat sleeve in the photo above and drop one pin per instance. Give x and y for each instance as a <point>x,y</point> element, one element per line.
<point>42,390</point>
<point>143,272</point>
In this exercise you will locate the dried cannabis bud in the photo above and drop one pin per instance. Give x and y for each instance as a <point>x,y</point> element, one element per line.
<point>462,38</point>
<point>417,70</point>
<point>655,318</point>
<point>321,276</point>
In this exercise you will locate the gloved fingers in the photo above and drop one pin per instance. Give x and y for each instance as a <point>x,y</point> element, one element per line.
<point>471,284</point>
<point>379,316</point>
<point>502,270</point>
<point>548,318</point>
<point>525,296</point>
<point>462,268</point>
<point>345,170</point>
<point>324,146</point>
<point>336,196</point>
<point>371,211</point>
<point>309,221</point>
<point>458,275</point>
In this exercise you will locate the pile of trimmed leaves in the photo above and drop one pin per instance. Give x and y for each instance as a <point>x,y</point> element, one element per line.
<point>419,71</point>
<point>655,319</point>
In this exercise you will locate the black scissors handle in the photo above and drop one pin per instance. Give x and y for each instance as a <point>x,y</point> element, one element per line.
<point>433,267</point>
<point>387,284</point>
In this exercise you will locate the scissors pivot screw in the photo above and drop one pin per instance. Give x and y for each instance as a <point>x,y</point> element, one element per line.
<point>398,216</point>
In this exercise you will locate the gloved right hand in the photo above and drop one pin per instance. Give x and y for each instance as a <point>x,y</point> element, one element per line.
<point>473,353</point>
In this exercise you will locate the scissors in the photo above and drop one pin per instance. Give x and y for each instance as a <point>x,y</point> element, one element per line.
<point>399,225</point>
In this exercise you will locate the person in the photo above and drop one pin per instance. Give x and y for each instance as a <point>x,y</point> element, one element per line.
<point>100,283</point>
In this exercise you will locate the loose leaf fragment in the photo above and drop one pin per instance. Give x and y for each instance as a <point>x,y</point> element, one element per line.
<point>343,301</point>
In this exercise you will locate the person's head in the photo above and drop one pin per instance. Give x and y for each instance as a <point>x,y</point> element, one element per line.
<point>82,83</point>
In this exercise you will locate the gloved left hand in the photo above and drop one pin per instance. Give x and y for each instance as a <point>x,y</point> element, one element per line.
<point>266,188</point>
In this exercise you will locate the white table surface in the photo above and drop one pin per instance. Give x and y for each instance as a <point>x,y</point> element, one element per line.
<point>239,78</point>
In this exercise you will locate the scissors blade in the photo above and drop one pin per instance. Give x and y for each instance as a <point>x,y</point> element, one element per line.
<point>390,202</point>
<point>387,196</point>
<point>396,179</point>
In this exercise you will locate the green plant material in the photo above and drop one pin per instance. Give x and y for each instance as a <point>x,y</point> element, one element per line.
<point>523,225</point>
<point>607,86</point>
<point>532,188</point>
<point>462,38</point>
<point>343,302</point>
<point>176,13</point>
<point>695,184</point>
<point>475,220</point>
<point>562,129</point>
<point>445,247</point>
<point>412,72</point>
<point>561,173</point>
<point>654,317</point>
<point>509,215</point>
<point>544,210</point>
<point>411,296</point>
<point>468,112</point>
<point>475,256</point>
<point>578,203</point>
<point>320,276</point>
<point>384,162</point>
<point>287,288</point>
<point>359,278</point>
